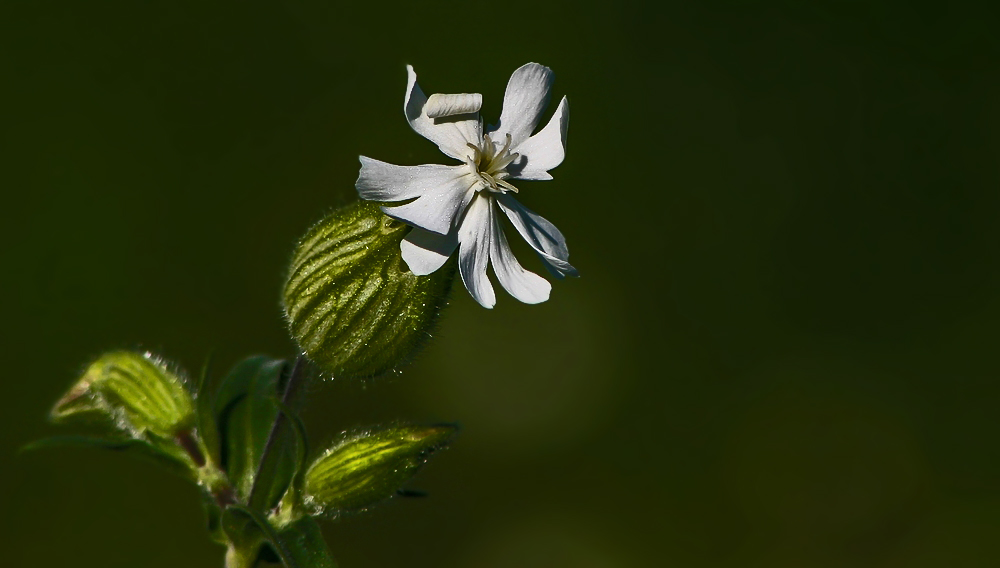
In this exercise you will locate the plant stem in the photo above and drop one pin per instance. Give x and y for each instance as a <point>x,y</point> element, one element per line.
<point>292,386</point>
<point>187,441</point>
<point>236,558</point>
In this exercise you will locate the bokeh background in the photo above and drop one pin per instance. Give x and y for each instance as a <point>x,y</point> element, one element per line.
<point>782,351</point>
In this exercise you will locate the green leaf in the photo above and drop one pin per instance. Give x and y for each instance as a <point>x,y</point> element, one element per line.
<point>245,409</point>
<point>243,535</point>
<point>301,446</point>
<point>351,303</point>
<point>364,469</point>
<point>139,448</point>
<point>247,529</point>
<point>242,439</point>
<point>303,541</point>
<point>298,545</point>
<point>208,430</point>
<point>236,383</point>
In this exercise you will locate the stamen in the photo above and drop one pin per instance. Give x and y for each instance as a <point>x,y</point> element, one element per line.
<point>506,145</point>
<point>507,185</point>
<point>490,164</point>
<point>489,150</point>
<point>489,179</point>
<point>478,155</point>
<point>501,163</point>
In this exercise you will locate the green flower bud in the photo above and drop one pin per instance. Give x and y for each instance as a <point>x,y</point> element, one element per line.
<point>137,391</point>
<point>351,303</point>
<point>364,469</point>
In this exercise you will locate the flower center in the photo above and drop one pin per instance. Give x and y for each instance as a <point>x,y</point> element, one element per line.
<point>490,164</point>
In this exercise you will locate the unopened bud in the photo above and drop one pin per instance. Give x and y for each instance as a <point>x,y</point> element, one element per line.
<point>352,304</point>
<point>135,390</point>
<point>364,469</point>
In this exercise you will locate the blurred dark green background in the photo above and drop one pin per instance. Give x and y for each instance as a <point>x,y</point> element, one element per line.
<point>782,351</point>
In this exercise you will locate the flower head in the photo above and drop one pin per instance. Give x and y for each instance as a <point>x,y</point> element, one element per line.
<point>458,206</point>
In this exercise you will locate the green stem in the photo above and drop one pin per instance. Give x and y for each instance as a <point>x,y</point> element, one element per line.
<point>238,558</point>
<point>186,440</point>
<point>209,475</point>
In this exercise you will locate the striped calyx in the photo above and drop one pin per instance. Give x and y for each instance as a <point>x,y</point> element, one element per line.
<point>351,303</point>
<point>136,390</point>
<point>362,469</point>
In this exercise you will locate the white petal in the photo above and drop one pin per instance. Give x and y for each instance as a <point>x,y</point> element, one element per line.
<point>379,181</point>
<point>474,251</point>
<point>544,150</point>
<point>439,105</point>
<point>450,133</point>
<point>523,103</point>
<point>526,286</point>
<point>542,235</point>
<point>425,252</point>
<point>437,208</point>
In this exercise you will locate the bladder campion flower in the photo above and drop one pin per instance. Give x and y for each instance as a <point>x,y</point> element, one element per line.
<point>453,207</point>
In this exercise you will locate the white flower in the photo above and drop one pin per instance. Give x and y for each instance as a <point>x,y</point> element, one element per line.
<point>457,206</point>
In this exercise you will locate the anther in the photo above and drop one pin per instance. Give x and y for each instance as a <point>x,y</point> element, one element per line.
<point>489,150</point>
<point>505,184</point>
<point>506,146</point>
<point>477,154</point>
<point>489,179</point>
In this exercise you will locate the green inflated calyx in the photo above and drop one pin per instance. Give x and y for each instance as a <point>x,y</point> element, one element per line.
<point>364,469</point>
<point>351,303</point>
<point>136,390</point>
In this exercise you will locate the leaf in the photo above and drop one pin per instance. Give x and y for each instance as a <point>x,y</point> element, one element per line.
<point>242,533</point>
<point>138,448</point>
<point>242,441</point>
<point>208,430</point>
<point>303,541</point>
<point>298,545</point>
<point>247,528</point>
<point>245,409</point>
<point>236,383</point>
<point>301,446</point>
<point>279,469</point>
<point>352,304</point>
